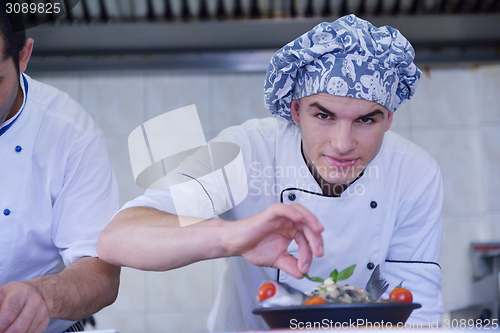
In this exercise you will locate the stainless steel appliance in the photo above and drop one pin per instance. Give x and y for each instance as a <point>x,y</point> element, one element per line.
<point>486,283</point>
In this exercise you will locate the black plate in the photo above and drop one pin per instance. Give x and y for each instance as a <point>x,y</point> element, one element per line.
<point>338,315</point>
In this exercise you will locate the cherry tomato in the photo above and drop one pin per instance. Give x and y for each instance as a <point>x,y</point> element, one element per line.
<point>265,291</point>
<point>401,295</point>
<point>315,300</point>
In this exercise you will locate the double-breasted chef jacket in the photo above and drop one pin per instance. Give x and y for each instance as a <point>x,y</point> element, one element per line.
<point>58,187</point>
<point>390,216</point>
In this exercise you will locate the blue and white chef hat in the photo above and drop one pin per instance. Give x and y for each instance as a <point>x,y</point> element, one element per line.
<point>347,57</point>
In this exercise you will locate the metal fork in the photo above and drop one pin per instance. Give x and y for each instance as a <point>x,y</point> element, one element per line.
<point>376,286</point>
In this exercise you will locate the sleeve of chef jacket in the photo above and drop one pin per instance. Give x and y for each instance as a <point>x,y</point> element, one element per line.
<point>415,248</point>
<point>88,197</point>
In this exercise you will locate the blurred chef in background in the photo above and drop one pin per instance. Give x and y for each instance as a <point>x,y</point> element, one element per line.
<point>58,191</point>
<point>328,152</point>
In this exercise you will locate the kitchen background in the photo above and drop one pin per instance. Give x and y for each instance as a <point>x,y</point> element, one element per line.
<point>454,115</point>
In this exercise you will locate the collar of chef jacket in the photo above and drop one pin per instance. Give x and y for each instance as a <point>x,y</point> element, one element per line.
<point>5,126</point>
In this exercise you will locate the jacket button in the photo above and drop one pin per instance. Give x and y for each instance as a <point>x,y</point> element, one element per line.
<point>370,265</point>
<point>373,204</point>
<point>292,197</point>
<point>19,148</point>
<point>6,212</point>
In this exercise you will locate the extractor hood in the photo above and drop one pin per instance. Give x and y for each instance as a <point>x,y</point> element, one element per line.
<point>243,34</point>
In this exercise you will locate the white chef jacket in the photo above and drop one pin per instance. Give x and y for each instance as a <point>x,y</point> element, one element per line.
<point>389,216</point>
<point>58,188</point>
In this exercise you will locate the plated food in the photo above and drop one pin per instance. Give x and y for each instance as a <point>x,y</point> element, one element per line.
<point>273,293</point>
<point>334,305</point>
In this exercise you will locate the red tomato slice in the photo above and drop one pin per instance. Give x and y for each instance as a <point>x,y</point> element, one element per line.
<point>265,291</point>
<point>315,300</point>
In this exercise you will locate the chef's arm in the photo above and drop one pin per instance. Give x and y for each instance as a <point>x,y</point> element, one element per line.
<point>80,290</point>
<point>150,239</point>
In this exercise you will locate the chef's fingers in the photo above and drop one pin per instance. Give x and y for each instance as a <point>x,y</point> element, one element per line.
<point>311,231</point>
<point>41,317</point>
<point>305,253</point>
<point>289,265</point>
<point>305,221</point>
<point>24,321</point>
<point>40,323</point>
<point>33,318</point>
<point>21,306</point>
<point>308,218</point>
<point>295,213</point>
<point>41,327</point>
<point>8,313</point>
<point>314,238</point>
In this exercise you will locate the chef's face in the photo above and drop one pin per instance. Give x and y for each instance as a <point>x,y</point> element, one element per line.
<point>340,135</point>
<point>11,96</point>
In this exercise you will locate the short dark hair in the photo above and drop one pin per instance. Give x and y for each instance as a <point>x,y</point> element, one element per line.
<point>13,41</point>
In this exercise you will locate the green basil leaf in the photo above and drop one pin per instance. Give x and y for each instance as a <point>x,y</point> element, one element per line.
<point>334,275</point>
<point>346,273</point>
<point>314,278</point>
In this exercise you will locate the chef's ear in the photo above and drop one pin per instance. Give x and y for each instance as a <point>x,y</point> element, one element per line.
<point>389,120</point>
<point>25,54</point>
<point>294,110</point>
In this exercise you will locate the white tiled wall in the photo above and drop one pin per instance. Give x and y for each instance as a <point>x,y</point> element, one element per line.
<point>455,116</point>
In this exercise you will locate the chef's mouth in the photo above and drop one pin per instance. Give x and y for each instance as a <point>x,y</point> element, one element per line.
<point>341,162</point>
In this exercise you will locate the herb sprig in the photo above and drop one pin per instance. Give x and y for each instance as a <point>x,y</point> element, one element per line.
<point>335,275</point>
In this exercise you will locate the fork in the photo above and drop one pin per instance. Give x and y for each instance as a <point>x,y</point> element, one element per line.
<point>376,286</point>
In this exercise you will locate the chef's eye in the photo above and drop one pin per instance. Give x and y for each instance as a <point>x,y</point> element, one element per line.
<point>366,120</point>
<point>323,116</point>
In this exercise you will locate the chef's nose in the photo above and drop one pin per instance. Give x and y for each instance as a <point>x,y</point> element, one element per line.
<point>342,138</point>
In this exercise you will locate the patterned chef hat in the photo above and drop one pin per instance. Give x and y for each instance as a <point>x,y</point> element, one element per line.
<point>348,57</point>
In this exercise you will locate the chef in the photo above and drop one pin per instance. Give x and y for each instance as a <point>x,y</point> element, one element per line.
<point>58,190</point>
<point>333,92</point>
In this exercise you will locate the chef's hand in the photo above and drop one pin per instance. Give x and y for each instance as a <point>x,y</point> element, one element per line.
<point>263,239</point>
<point>22,309</point>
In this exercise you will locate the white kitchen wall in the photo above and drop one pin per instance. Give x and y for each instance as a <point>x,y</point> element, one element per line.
<point>455,116</point>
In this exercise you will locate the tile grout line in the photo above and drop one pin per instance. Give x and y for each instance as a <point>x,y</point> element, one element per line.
<point>482,176</point>
<point>211,104</point>
<point>79,81</point>
<point>145,96</point>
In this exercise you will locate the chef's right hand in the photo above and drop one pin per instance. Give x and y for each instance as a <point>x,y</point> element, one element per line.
<point>22,309</point>
<point>263,239</point>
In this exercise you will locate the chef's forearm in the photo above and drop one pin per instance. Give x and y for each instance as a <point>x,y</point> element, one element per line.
<point>80,290</point>
<point>149,239</point>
